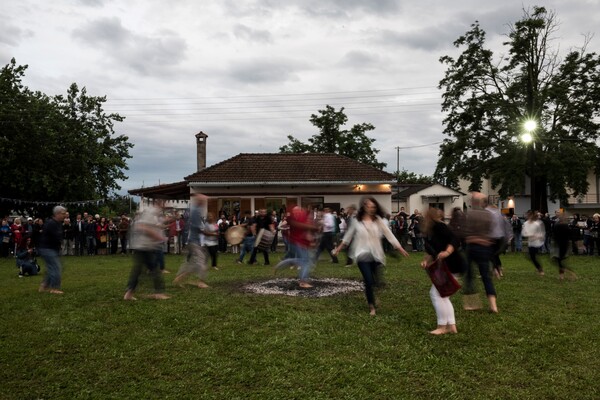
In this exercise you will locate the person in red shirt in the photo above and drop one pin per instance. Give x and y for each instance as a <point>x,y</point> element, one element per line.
<point>301,239</point>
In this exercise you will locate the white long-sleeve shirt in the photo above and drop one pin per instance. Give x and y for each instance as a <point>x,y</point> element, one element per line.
<point>535,233</point>
<point>366,237</point>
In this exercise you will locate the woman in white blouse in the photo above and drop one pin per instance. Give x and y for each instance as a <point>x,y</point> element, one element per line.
<point>366,248</point>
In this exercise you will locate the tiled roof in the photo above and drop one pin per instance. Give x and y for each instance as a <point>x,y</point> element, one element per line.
<point>176,190</point>
<point>284,167</point>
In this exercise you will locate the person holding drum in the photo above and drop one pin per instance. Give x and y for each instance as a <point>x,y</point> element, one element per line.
<point>264,230</point>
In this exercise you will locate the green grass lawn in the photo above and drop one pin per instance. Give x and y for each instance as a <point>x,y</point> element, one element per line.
<point>224,343</point>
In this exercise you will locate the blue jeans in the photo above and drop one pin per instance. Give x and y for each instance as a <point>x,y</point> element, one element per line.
<point>302,259</point>
<point>480,255</point>
<point>52,277</point>
<point>247,247</point>
<point>517,242</point>
<point>369,271</point>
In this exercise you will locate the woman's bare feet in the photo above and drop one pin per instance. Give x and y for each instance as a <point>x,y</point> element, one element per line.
<point>372,310</point>
<point>451,328</point>
<point>56,291</point>
<point>159,296</point>
<point>129,296</point>
<point>441,330</point>
<point>202,285</point>
<point>305,285</point>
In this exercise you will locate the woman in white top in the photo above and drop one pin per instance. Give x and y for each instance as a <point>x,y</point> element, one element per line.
<point>365,234</point>
<point>534,230</point>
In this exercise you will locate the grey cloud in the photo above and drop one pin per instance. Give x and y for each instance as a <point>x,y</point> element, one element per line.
<point>427,38</point>
<point>146,55</point>
<point>93,3</point>
<point>360,59</point>
<point>11,34</point>
<point>252,35</point>
<point>261,70</point>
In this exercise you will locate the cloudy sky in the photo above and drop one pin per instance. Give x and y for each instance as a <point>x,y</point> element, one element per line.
<point>250,72</point>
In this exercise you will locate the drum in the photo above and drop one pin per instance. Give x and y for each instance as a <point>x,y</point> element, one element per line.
<point>264,239</point>
<point>235,234</point>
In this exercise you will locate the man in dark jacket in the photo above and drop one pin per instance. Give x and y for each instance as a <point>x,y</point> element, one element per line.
<point>49,248</point>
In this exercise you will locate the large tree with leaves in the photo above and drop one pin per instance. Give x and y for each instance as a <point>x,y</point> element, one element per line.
<point>333,138</point>
<point>488,99</point>
<point>55,149</point>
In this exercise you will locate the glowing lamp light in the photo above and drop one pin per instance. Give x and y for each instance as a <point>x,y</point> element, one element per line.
<point>530,125</point>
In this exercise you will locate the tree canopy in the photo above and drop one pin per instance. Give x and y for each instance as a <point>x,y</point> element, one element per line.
<point>55,149</point>
<point>332,138</point>
<point>488,99</point>
<point>410,177</point>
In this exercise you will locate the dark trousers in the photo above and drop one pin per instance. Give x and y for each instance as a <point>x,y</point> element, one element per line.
<point>213,250</point>
<point>370,271</point>
<point>533,251</point>
<point>481,256</point>
<point>146,260</point>
<point>124,245</point>
<point>253,256</point>
<point>326,243</point>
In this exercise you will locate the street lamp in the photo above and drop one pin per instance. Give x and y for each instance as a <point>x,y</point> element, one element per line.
<point>527,137</point>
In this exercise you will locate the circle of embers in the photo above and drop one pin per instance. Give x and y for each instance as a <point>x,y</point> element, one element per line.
<point>289,287</point>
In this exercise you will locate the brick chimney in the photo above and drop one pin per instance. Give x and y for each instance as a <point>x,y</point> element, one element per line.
<point>201,150</point>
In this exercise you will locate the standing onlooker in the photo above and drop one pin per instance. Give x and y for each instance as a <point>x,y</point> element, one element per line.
<point>211,238</point>
<point>5,233</point>
<point>113,236</point>
<point>576,236</point>
<point>516,244</point>
<point>365,235</point>
<point>533,229</point>
<point>102,236</point>
<point>233,221</point>
<point>49,250</point>
<point>275,222</point>
<point>147,241</point>
<point>594,231</point>
<point>123,228</point>
<point>441,244</point>
<point>79,234</point>
<point>176,229</point>
<point>90,235</point>
<point>17,235</point>
<point>68,234</point>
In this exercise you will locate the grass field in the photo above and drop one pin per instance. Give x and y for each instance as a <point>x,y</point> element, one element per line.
<point>224,343</point>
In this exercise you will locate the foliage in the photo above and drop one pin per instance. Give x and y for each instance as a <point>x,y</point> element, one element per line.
<point>410,177</point>
<point>56,149</point>
<point>488,99</point>
<point>353,143</point>
<point>223,343</point>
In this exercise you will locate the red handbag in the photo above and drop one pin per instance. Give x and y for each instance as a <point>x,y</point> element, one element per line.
<point>442,278</point>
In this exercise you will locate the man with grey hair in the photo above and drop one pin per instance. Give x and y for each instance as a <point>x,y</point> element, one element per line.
<point>49,248</point>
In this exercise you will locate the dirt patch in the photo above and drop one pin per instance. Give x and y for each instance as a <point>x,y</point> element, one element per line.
<point>289,287</point>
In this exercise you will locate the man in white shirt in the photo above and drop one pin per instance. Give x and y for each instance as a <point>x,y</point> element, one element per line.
<point>328,233</point>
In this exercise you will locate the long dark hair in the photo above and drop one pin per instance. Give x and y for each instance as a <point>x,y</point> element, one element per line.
<point>362,212</point>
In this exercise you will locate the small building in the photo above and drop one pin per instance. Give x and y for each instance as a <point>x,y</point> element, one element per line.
<point>423,196</point>
<point>276,181</point>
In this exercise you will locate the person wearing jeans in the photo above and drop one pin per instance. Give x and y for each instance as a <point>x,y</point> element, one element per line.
<point>49,250</point>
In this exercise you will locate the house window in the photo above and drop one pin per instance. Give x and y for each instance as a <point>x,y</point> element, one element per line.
<point>437,205</point>
<point>229,206</point>
<point>314,201</point>
<point>274,204</point>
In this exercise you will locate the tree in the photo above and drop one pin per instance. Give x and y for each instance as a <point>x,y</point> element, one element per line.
<point>55,149</point>
<point>353,143</point>
<point>488,100</point>
<point>410,177</point>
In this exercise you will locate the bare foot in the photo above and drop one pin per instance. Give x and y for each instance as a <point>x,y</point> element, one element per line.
<point>202,285</point>
<point>451,329</point>
<point>56,291</point>
<point>372,310</point>
<point>159,296</point>
<point>164,271</point>
<point>129,297</point>
<point>439,331</point>
<point>305,285</point>
<point>42,287</point>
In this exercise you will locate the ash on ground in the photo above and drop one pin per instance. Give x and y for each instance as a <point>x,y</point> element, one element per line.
<point>290,287</point>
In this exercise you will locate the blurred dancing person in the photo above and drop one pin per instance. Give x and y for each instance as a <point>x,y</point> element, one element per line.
<point>561,234</point>
<point>147,240</point>
<point>49,249</point>
<point>441,244</point>
<point>478,238</point>
<point>365,235</point>
<point>533,229</point>
<point>327,236</point>
<point>301,230</point>
<point>197,256</point>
